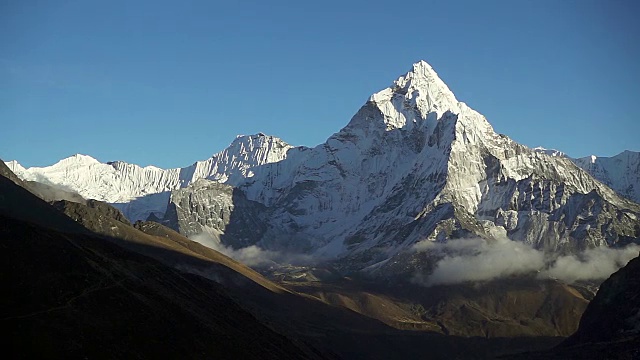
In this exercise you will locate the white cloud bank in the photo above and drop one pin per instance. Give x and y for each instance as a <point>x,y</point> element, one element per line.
<point>480,260</point>
<point>596,263</point>
<point>253,255</point>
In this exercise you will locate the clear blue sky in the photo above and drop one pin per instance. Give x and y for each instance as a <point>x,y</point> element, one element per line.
<point>169,83</point>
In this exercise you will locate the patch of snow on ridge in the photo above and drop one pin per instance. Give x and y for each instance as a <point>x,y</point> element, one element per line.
<point>14,166</point>
<point>550,152</point>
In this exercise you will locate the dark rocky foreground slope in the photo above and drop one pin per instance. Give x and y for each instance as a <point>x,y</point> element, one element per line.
<point>609,327</point>
<point>77,297</point>
<point>70,294</point>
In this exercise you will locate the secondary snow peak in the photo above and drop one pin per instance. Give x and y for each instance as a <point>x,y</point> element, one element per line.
<point>256,144</point>
<point>77,159</point>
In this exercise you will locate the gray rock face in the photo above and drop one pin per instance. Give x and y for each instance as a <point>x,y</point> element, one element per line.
<point>218,210</point>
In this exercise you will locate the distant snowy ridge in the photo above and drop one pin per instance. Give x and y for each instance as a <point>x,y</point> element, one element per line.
<point>620,172</point>
<point>128,186</point>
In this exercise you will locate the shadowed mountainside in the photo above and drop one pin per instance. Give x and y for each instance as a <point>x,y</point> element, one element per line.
<point>609,327</point>
<point>500,308</point>
<point>79,297</point>
<point>71,294</point>
<point>318,320</point>
<point>611,324</point>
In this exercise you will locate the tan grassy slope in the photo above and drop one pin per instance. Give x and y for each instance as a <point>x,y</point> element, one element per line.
<point>179,251</point>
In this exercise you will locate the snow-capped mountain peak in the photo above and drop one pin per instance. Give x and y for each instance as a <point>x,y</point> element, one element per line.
<point>235,163</point>
<point>414,96</point>
<point>259,148</point>
<point>62,167</point>
<point>432,94</point>
<point>15,166</point>
<point>416,159</point>
<point>412,164</point>
<point>77,159</point>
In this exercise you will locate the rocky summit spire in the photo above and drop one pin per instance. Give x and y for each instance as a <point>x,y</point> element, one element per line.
<point>421,89</point>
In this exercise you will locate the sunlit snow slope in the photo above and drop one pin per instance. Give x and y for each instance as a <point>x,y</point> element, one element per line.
<point>128,186</point>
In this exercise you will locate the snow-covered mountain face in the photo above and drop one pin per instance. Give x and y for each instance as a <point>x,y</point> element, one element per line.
<point>413,164</point>
<point>141,191</point>
<point>620,172</point>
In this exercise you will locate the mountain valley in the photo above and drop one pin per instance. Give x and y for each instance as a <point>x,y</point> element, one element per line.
<point>414,231</point>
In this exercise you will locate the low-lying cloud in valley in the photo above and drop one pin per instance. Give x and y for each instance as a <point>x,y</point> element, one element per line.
<point>253,255</point>
<point>463,260</point>
<point>597,263</point>
<point>480,260</point>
